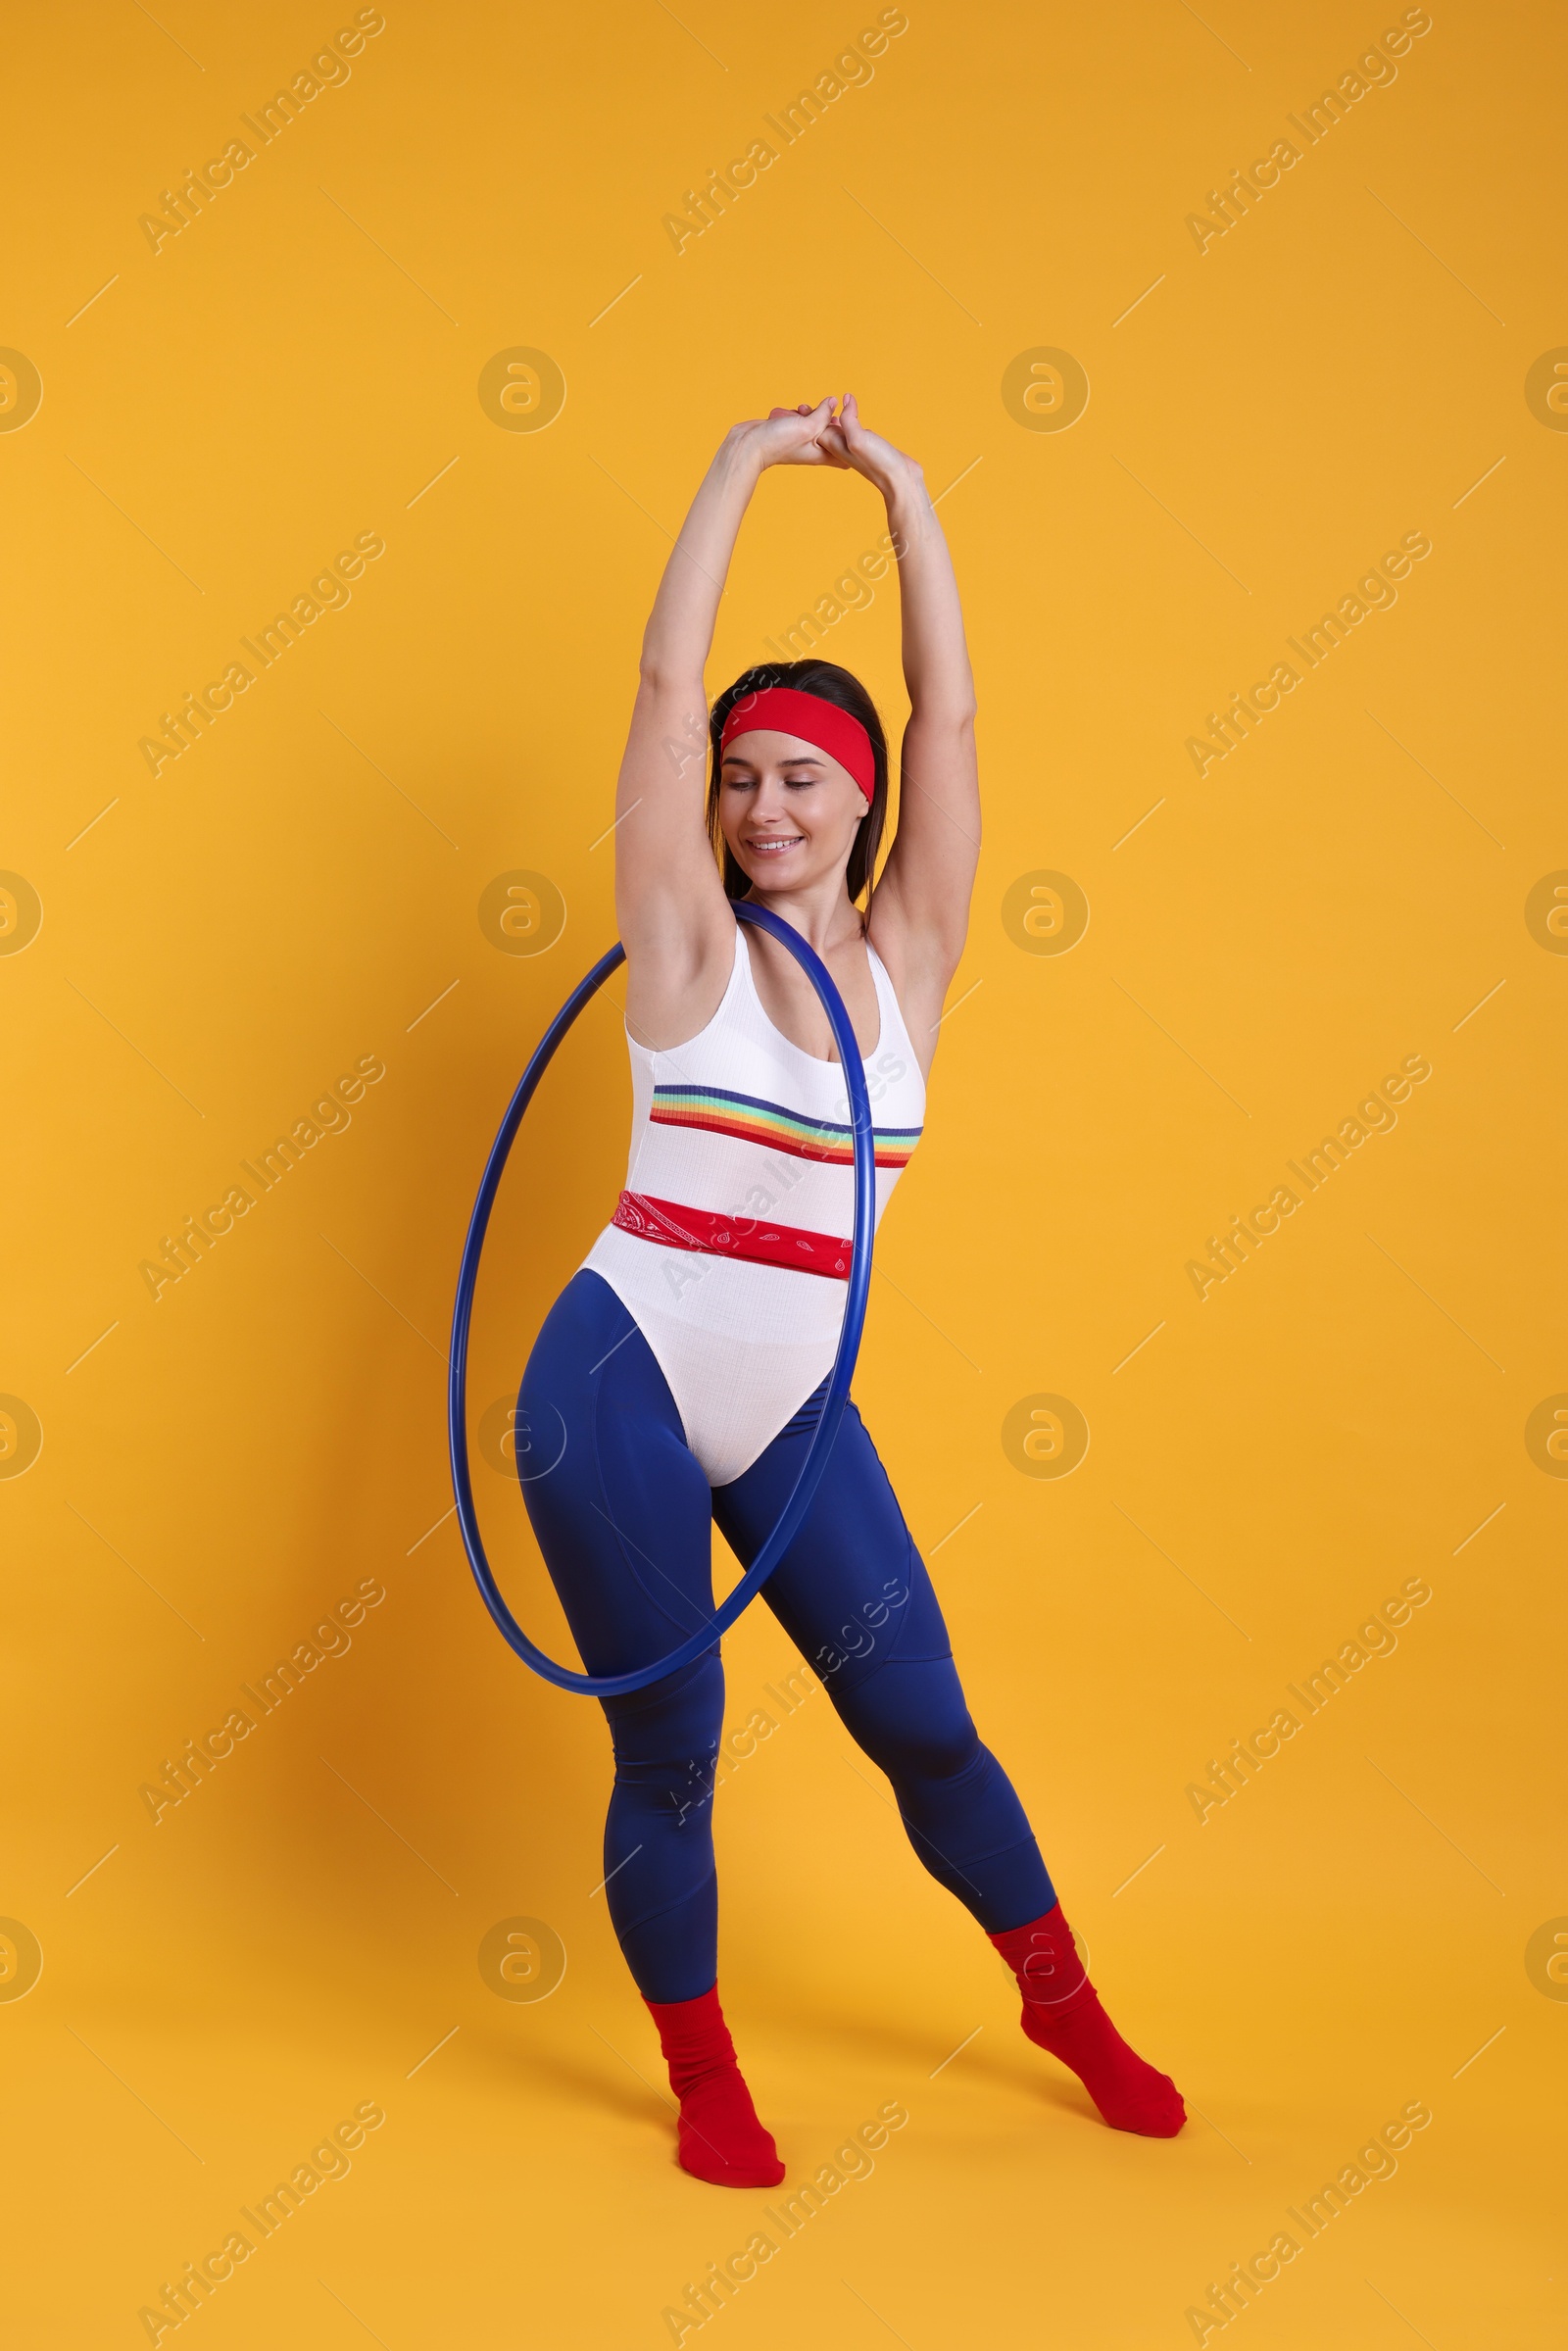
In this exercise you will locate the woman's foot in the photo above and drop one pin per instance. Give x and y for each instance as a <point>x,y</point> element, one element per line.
<point>1061,2013</point>
<point>720,2139</point>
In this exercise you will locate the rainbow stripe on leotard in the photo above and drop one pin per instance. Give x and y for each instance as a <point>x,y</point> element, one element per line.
<point>716,1111</point>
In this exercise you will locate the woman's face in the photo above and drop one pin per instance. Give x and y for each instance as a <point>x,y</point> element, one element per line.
<point>788,812</point>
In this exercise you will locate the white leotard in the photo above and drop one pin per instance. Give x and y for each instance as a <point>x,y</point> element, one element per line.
<point>749,1135</point>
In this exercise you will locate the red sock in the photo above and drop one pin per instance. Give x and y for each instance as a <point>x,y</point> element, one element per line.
<point>1061,2013</point>
<point>722,2140</point>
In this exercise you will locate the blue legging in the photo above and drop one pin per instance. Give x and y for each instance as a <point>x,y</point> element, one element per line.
<point>622,1513</point>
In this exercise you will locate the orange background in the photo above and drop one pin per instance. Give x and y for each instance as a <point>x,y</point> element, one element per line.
<point>301,890</point>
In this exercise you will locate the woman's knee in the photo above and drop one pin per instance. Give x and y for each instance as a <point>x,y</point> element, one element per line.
<point>670,1732</point>
<point>911,1720</point>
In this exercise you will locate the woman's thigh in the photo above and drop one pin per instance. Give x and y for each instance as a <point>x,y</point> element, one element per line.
<point>619,1502</point>
<point>851,1591</point>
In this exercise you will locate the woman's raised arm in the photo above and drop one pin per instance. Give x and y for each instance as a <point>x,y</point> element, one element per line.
<point>669,900</point>
<point>920,907</point>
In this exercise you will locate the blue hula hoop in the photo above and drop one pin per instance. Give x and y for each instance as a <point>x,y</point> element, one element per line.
<point>607,1686</point>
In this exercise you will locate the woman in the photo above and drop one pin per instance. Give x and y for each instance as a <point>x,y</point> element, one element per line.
<point>679,1376</point>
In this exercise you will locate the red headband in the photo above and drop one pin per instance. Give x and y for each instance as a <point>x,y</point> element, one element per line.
<point>785,711</point>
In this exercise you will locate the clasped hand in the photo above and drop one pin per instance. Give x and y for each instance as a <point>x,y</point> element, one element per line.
<point>819,436</point>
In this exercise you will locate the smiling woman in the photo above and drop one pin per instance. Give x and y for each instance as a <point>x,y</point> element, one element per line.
<point>688,1358</point>
<point>752,743</point>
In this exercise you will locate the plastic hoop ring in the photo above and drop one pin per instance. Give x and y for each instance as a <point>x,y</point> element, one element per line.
<point>858,1288</point>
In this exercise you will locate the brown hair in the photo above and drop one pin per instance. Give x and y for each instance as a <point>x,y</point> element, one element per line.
<point>829,684</point>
